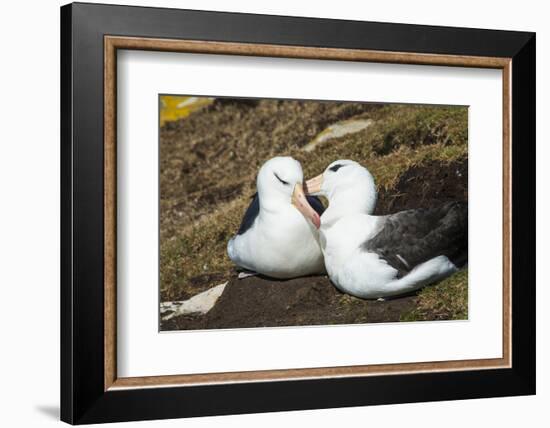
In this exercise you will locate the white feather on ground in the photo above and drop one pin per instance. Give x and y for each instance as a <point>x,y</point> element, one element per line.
<point>198,304</point>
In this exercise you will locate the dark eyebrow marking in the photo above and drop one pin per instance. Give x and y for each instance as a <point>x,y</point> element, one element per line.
<point>336,167</point>
<point>279,178</point>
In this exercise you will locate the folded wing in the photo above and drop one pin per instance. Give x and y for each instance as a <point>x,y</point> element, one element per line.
<point>409,238</point>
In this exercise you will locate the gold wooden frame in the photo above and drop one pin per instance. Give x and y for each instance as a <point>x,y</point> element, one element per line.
<point>112,43</point>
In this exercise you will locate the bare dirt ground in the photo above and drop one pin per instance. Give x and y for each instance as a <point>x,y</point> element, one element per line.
<point>209,159</point>
<point>262,302</point>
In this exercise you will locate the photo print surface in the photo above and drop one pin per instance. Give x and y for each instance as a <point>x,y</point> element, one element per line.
<point>277,212</point>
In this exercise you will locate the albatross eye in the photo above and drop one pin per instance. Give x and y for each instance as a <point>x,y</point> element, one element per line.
<point>336,167</point>
<point>281,180</point>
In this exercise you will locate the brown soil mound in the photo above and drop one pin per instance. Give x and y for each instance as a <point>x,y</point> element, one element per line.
<point>426,186</point>
<point>262,302</point>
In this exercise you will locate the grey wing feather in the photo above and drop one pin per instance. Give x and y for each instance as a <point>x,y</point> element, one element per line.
<point>411,237</point>
<point>250,215</point>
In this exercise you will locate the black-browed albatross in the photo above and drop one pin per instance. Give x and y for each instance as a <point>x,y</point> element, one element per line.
<point>278,236</point>
<point>380,256</point>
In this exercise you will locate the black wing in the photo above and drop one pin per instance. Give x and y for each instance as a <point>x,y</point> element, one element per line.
<point>411,237</point>
<point>250,215</point>
<point>316,204</point>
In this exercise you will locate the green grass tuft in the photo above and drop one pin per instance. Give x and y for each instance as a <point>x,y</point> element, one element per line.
<point>447,300</point>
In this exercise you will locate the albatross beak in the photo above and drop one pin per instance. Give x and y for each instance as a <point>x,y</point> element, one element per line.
<point>313,186</point>
<point>299,200</point>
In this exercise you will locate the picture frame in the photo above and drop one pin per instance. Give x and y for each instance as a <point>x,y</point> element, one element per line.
<point>91,35</point>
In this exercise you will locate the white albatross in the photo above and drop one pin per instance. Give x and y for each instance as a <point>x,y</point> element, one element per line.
<point>380,256</point>
<point>278,236</point>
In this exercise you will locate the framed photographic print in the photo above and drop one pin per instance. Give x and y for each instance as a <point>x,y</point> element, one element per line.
<point>266,213</point>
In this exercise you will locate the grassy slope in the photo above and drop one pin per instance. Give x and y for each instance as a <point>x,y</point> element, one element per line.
<point>209,161</point>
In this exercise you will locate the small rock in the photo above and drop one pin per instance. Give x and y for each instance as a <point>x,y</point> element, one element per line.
<point>338,129</point>
<point>198,304</point>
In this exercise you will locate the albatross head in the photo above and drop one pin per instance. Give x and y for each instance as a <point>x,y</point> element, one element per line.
<point>347,184</point>
<point>279,182</point>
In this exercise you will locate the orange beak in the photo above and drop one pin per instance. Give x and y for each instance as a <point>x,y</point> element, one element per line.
<point>299,200</point>
<point>313,186</point>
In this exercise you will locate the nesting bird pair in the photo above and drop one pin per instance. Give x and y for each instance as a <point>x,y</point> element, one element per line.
<point>287,233</point>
